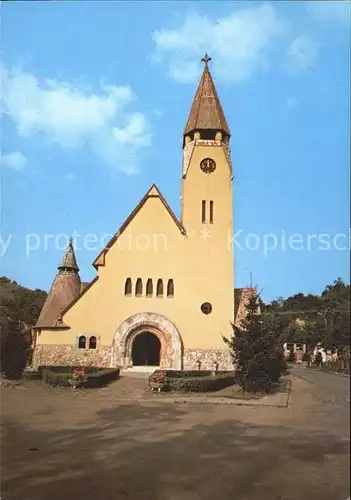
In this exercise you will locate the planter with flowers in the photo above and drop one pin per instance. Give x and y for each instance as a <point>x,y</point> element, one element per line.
<point>158,381</point>
<point>79,378</point>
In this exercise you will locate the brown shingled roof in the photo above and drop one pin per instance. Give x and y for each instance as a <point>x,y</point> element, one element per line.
<point>69,259</point>
<point>64,289</point>
<point>206,111</point>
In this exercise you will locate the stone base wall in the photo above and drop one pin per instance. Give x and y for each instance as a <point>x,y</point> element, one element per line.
<point>67,355</point>
<point>207,358</point>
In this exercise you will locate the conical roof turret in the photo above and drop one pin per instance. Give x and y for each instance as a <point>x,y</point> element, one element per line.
<point>69,262</point>
<point>64,289</point>
<point>206,112</point>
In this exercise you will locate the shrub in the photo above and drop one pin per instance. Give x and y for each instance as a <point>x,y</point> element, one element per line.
<point>56,378</point>
<point>68,369</point>
<point>258,378</point>
<point>191,381</point>
<point>102,377</point>
<point>95,377</point>
<point>255,351</point>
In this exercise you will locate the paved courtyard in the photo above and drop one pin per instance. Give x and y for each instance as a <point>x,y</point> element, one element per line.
<point>63,444</point>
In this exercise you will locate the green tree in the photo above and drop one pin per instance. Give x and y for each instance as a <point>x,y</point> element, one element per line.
<point>255,348</point>
<point>326,317</point>
<point>19,310</point>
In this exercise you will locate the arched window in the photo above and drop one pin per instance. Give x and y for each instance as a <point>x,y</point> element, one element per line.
<point>170,288</point>
<point>149,288</point>
<point>159,289</point>
<point>128,287</point>
<point>92,343</point>
<point>82,342</point>
<point>138,287</point>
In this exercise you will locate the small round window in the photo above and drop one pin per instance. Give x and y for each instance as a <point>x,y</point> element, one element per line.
<point>206,308</point>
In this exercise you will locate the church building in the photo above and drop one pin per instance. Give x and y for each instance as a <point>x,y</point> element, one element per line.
<point>163,295</point>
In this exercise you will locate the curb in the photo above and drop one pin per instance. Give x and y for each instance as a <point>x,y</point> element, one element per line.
<point>315,370</point>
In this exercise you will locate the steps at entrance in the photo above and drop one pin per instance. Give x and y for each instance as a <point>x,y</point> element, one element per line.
<point>139,371</point>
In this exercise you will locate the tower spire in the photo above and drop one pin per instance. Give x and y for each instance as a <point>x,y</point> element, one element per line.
<point>206,60</point>
<point>206,113</point>
<point>69,262</point>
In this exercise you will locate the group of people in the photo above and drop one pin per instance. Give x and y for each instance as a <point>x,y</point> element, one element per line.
<point>319,355</point>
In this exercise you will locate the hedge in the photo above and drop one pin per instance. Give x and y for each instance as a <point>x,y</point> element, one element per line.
<point>96,377</point>
<point>193,381</point>
<point>68,369</point>
<point>102,377</point>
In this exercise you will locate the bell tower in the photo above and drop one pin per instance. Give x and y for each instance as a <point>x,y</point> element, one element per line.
<point>207,203</point>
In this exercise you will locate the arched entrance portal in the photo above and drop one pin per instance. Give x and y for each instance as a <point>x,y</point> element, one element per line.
<point>126,348</point>
<point>146,350</point>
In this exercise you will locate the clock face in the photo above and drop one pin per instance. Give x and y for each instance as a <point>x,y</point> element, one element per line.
<point>208,165</point>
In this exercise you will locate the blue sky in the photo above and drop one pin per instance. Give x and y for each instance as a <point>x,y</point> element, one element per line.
<point>95,99</point>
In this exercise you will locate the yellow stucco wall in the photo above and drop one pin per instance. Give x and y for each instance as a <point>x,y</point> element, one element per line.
<point>152,246</point>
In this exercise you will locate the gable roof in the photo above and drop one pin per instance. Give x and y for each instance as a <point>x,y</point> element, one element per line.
<point>153,192</point>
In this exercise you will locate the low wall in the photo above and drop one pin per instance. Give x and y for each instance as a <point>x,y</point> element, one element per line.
<point>207,358</point>
<point>67,355</point>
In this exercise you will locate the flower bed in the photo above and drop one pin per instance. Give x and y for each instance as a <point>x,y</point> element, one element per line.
<point>190,381</point>
<point>68,376</point>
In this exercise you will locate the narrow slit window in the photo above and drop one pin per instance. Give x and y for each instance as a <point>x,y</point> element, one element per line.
<point>159,289</point>
<point>170,288</point>
<point>203,214</point>
<point>92,343</point>
<point>211,212</point>
<point>82,342</point>
<point>128,287</point>
<point>139,287</point>
<point>149,288</point>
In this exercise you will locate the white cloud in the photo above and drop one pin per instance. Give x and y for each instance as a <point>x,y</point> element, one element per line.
<point>239,44</point>
<point>332,10</point>
<point>14,161</point>
<point>302,52</point>
<point>71,116</point>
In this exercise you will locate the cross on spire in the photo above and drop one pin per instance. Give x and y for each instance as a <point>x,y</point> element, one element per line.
<point>206,60</point>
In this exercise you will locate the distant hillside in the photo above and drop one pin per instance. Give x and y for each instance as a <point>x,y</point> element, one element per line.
<point>18,301</point>
<point>315,318</point>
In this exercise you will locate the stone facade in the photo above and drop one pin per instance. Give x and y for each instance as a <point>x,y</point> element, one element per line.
<point>67,355</point>
<point>207,358</point>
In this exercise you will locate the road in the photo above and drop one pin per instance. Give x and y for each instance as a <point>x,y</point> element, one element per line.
<point>336,386</point>
<point>333,391</point>
<point>92,444</point>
